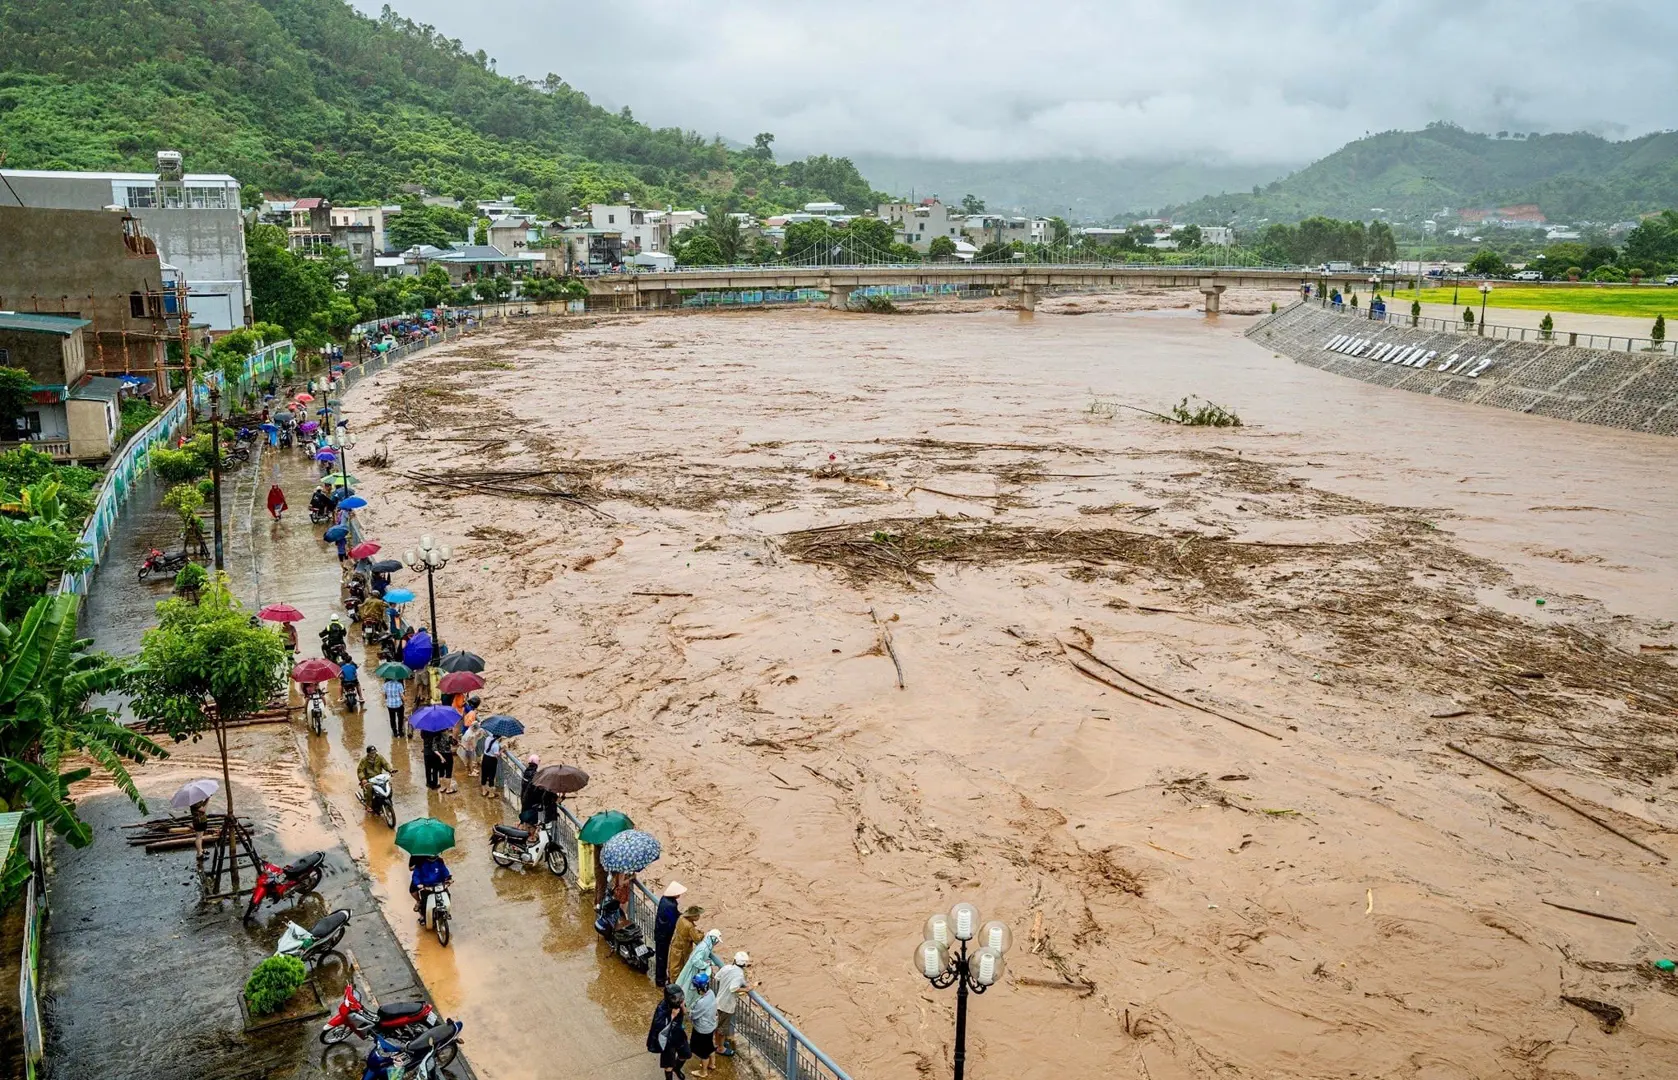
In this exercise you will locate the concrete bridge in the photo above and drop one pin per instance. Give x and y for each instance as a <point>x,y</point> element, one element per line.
<point>663,289</point>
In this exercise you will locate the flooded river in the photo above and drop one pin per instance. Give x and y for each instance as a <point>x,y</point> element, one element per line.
<point>1175,701</point>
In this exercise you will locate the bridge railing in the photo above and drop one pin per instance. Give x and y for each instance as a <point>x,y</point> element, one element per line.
<point>996,268</point>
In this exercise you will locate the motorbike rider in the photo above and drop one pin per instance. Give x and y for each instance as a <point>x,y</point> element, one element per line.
<point>332,638</point>
<point>349,680</point>
<point>371,764</point>
<point>426,872</point>
<point>320,502</point>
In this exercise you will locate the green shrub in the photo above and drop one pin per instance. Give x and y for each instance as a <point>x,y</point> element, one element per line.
<point>1546,327</point>
<point>177,466</point>
<point>191,577</point>
<point>136,414</point>
<point>1611,274</point>
<point>1657,333</point>
<point>1206,414</point>
<point>273,982</point>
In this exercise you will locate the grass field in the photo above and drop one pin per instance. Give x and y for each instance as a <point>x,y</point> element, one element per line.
<point>1638,301</point>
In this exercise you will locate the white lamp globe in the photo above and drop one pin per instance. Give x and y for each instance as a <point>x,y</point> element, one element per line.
<point>964,921</point>
<point>931,959</point>
<point>995,935</point>
<point>988,967</point>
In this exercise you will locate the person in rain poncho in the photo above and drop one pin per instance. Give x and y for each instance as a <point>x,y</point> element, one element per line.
<point>276,502</point>
<point>701,959</point>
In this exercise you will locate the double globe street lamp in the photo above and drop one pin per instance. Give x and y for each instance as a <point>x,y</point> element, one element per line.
<point>944,958</point>
<point>1485,294</point>
<point>429,559</point>
<point>342,444</point>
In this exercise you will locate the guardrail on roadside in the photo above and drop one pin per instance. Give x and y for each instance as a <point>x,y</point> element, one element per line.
<point>783,1049</point>
<point>1610,342</point>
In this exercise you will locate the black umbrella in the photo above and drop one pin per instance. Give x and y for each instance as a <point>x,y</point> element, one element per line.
<point>462,661</point>
<point>561,779</point>
<point>386,566</point>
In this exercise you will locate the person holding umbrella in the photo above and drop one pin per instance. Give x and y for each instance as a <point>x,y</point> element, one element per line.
<point>430,720</point>
<point>425,840</point>
<point>394,675</point>
<point>195,796</point>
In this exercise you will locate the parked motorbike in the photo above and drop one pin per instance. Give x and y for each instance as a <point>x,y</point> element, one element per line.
<point>510,846</point>
<point>627,942</point>
<point>317,712</point>
<point>423,1057</point>
<point>311,945</point>
<point>380,803</point>
<point>434,910</point>
<point>396,1019</point>
<point>156,562</point>
<point>275,883</point>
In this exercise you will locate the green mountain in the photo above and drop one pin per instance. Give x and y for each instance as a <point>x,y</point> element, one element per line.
<point>1411,175</point>
<point>309,97</point>
<point>1079,189</point>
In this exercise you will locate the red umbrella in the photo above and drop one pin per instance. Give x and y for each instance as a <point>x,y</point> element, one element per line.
<point>305,397</point>
<point>315,670</point>
<point>460,682</point>
<point>364,550</point>
<point>280,613</point>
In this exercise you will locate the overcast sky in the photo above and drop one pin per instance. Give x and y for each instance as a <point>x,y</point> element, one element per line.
<point>1158,80</point>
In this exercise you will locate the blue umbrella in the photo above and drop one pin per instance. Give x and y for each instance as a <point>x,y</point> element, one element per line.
<point>354,502</point>
<point>399,596</point>
<point>434,718</point>
<point>502,726</point>
<point>325,455</point>
<point>270,428</point>
<point>629,852</point>
<point>417,653</point>
<point>343,492</point>
<point>336,533</point>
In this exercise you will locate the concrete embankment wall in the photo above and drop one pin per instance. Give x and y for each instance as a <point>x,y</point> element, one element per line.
<point>1633,390</point>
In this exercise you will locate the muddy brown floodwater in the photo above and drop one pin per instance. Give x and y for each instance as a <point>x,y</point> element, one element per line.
<point>1176,701</point>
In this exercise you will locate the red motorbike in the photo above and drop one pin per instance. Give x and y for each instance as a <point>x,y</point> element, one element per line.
<point>399,1020</point>
<point>278,882</point>
<point>156,562</point>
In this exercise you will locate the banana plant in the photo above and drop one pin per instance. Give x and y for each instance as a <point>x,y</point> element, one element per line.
<point>47,677</point>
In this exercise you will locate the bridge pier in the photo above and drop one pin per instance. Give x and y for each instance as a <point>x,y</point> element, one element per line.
<point>1028,298</point>
<point>1210,289</point>
<point>837,298</point>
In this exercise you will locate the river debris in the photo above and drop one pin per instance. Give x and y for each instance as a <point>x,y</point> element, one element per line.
<point>1610,1015</point>
<point>891,650</point>
<point>516,483</point>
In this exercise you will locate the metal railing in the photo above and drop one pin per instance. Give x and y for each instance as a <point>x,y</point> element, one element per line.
<point>29,978</point>
<point>784,1049</point>
<point>1611,342</point>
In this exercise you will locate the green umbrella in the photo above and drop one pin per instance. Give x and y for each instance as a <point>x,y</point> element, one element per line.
<point>425,836</point>
<point>603,826</point>
<point>390,669</point>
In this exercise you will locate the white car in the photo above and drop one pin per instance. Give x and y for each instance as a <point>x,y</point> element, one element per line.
<point>1672,279</point>
<point>1528,275</point>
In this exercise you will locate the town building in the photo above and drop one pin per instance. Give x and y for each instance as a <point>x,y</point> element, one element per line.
<point>72,416</point>
<point>100,266</point>
<point>919,224</point>
<point>477,262</point>
<point>514,233</point>
<point>1217,235</point>
<point>375,217</point>
<point>639,230</point>
<point>194,219</point>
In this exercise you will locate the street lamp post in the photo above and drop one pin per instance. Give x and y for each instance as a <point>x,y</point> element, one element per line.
<point>1374,292</point>
<point>430,558</point>
<point>973,972</point>
<point>1485,294</point>
<point>343,444</point>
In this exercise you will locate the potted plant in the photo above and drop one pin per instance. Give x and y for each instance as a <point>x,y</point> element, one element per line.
<point>189,580</point>
<point>1635,274</point>
<point>1573,273</point>
<point>273,984</point>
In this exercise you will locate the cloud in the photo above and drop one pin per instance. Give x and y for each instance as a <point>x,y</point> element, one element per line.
<point>987,80</point>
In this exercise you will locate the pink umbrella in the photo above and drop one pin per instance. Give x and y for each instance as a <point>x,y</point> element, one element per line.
<point>280,613</point>
<point>364,550</point>
<point>305,397</point>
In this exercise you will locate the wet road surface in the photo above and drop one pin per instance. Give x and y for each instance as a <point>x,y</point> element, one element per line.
<point>142,980</point>
<point>524,968</point>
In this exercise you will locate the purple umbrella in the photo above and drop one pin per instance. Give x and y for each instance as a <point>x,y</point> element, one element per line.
<point>308,427</point>
<point>434,718</point>
<point>326,455</point>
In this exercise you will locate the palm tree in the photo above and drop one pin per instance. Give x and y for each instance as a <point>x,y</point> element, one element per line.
<point>724,228</point>
<point>47,676</point>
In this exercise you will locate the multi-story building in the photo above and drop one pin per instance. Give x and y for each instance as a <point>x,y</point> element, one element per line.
<point>374,217</point>
<point>919,224</point>
<point>642,230</point>
<point>194,220</point>
<point>102,267</point>
<point>71,415</point>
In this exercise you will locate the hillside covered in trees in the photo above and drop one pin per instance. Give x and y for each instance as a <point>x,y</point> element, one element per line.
<point>1409,175</point>
<point>309,97</point>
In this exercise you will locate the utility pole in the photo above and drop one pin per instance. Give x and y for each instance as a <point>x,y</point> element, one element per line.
<point>215,469</point>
